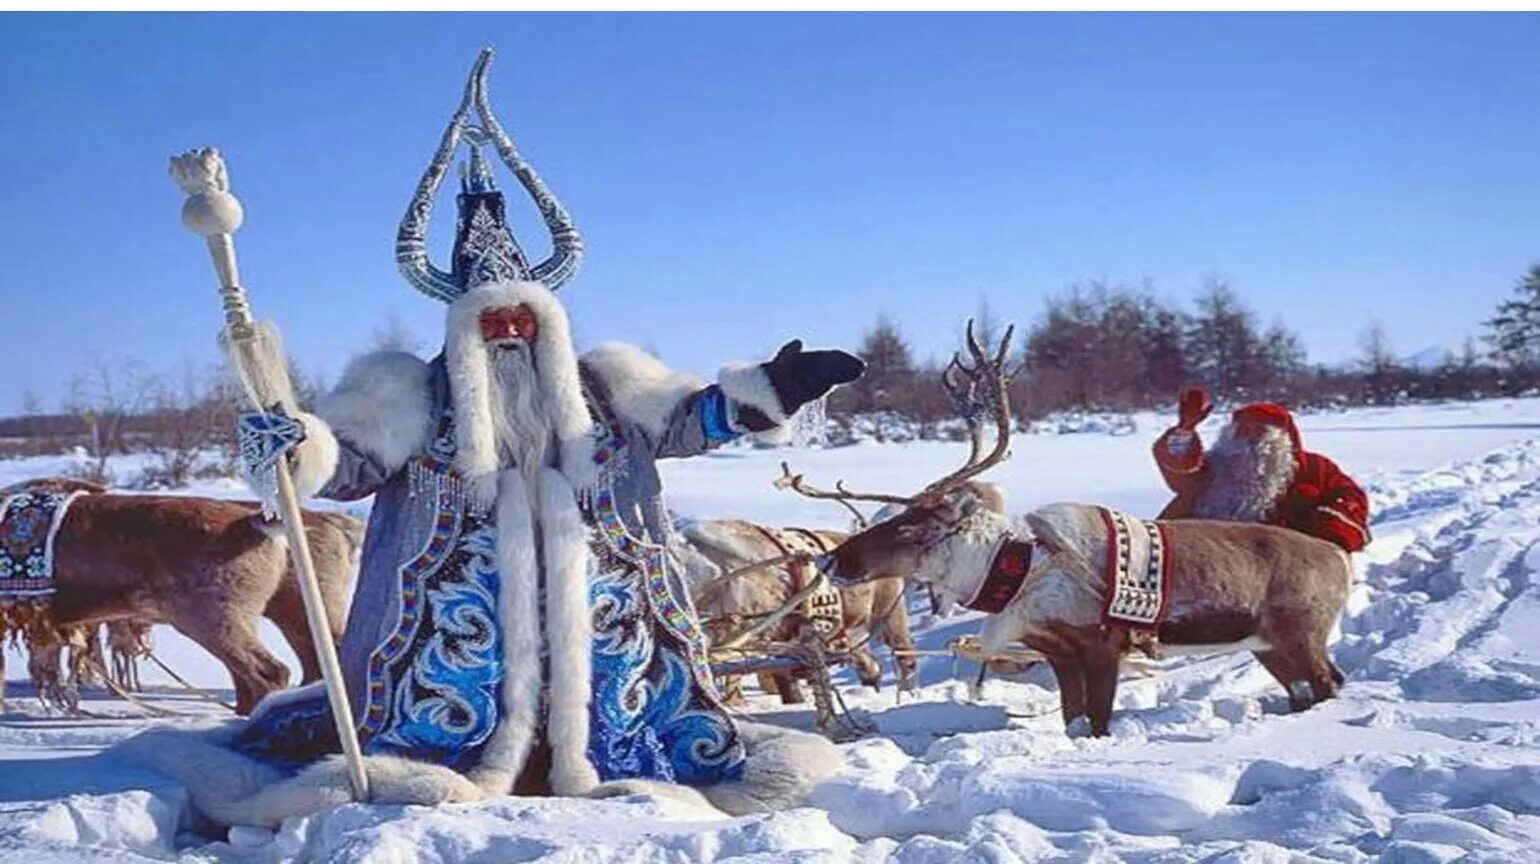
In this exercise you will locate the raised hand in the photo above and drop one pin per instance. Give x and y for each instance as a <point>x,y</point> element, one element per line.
<point>801,376</point>
<point>1193,407</point>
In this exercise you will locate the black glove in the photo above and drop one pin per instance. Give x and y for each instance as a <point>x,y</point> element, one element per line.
<point>801,376</point>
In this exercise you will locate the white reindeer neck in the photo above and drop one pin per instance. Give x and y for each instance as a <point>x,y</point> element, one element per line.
<point>959,564</point>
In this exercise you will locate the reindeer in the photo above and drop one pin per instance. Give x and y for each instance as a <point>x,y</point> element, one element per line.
<point>128,641</point>
<point>208,567</point>
<point>1232,586</point>
<point>876,605</point>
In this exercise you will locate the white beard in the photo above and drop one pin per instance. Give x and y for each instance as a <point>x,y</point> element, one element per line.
<point>1246,478</point>
<point>519,406</point>
<point>520,426</point>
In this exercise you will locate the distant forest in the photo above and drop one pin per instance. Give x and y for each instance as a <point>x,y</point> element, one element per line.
<point>1100,347</point>
<point>1094,348</point>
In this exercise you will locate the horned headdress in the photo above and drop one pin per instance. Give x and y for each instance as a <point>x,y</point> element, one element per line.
<point>484,249</point>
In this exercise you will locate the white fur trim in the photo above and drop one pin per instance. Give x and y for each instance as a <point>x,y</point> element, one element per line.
<point>564,538</point>
<point>518,613</point>
<point>382,406</point>
<point>261,367</point>
<point>641,388</point>
<point>279,698</point>
<point>315,459</point>
<point>556,365</point>
<point>781,769</point>
<point>234,789</point>
<point>747,384</point>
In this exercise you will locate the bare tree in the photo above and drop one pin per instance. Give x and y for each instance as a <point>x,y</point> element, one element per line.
<point>1377,361</point>
<point>104,397</point>
<point>189,416</point>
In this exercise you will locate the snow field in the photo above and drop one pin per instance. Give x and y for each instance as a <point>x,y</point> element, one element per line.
<point>1429,755</point>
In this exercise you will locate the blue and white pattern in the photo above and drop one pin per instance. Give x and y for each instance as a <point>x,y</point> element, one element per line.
<point>264,437</point>
<point>655,714</point>
<point>444,690</point>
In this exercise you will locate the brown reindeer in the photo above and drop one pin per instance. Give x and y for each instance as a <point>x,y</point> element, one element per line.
<point>1232,586</point>
<point>209,568</point>
<point>875,606</point>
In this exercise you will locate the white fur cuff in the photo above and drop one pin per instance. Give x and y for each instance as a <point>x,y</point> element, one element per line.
<point>747,384</point>
<point>315,459</point>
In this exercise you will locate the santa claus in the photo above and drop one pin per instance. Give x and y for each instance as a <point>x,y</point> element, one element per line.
<point>520,622</point>
<point>1258,471</point>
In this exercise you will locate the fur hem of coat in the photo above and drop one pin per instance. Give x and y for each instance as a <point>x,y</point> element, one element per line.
<point>781,770</point>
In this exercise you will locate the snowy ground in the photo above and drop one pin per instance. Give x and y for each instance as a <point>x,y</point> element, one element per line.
<point>1430,753</point>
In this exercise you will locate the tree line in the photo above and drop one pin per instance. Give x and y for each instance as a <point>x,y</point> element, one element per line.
<point>1103,347</point>
<point>1094,347</point>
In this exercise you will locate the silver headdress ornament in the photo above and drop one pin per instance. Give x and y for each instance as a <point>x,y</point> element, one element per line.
<point>484,249</point>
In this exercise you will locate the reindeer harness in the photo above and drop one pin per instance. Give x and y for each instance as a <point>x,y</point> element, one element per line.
<point>1008,571</point>
<point>824,608</point>
<point>29,523</point>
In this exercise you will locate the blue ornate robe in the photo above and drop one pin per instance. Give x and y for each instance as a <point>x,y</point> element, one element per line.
<point>421,653</point>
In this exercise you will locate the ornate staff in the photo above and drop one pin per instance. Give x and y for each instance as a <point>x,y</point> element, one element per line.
<point>268,435</point>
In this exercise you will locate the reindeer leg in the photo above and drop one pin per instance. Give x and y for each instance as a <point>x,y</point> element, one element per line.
<point>233,640</point>
<point>1324,676</point>
<point>1102,662</point>
<point>1280,661</point>
<point>895,632</point>
<point>790,689</point>
<point>1070,673</point>
<point>868,669</point>
<point>732,689</point>
<point>286,609</point>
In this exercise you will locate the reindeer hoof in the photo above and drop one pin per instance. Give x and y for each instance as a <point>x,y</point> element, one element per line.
<point>1080,727</point>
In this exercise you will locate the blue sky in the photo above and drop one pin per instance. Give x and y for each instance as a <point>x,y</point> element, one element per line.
<point>745,179</point>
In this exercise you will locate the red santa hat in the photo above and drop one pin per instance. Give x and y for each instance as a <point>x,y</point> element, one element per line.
<point>1271,414</point>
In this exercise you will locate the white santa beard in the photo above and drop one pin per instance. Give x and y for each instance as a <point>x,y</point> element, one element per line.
<point>520,426</point>
<point>1247,478</point>
<point>553,364</point>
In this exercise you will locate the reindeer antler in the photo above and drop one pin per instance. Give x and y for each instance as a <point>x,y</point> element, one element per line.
<point>841,495</point>
<point>978,388</point>
<point>984,388</point>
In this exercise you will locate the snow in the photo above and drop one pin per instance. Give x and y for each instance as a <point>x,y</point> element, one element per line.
<point>1430,754</point>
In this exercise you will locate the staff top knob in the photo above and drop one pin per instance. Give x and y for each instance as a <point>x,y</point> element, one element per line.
<point>210,209</point>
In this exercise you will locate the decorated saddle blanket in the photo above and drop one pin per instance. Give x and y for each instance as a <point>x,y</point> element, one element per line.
<point>1138,571</point>
<point>29,522</point>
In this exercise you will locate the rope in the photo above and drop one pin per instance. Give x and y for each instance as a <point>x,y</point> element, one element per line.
<point>129,697</point>
<point>201,694</point>
<point>750,568</point>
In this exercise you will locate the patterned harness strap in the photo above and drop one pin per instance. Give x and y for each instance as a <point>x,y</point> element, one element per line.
<point>825,608</point>
<point>1008,571</point>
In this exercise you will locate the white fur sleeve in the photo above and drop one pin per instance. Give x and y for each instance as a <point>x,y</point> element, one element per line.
<point>382,406</point>
<point>641,388</point>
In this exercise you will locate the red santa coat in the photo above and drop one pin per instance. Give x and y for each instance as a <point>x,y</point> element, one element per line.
<point>1321,500</point>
